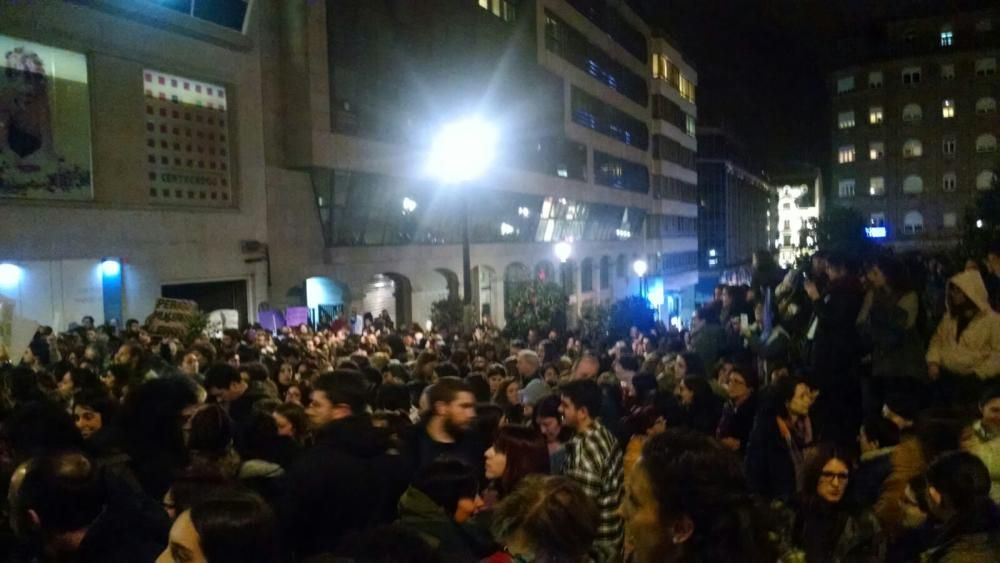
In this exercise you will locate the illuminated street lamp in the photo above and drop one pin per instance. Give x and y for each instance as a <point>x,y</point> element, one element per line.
<point>640,267</point>
<point>461,152</point>
<point>563,251</point>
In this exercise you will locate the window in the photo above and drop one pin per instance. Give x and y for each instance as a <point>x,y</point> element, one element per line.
<point>686,89</point>
<point>913,222</point>
<point>875,116</point>
<point>948,146</point>
<point>845,188</point>
<point>611,22</point>
<point>986,105</point>
<point>876,219</point>
<point>227,13</point>
<point>594,114</point>
<point>845,119</point>
<point>605,276</point>
<point>985,180</point>
<point>986,66</point>
<point>665,148</point>
<point>621,174</point>
<point>845,85</point>
<point>986,143</point>
<point>846,154</point>
<point>947,72</point>
<point>587,275</point>
<point>503,9</point>
<point>875,79</point>
<point>690,125</point>
<point>913,185</point>
<point>911,75</point>
<point>947,36</point>
<point>912,113</point>
<point>913,149</point>
<point>949,220</point>
<point>876,150</point>
<point>948,109</point>
<point>876,186</point>
<point>949,182</point>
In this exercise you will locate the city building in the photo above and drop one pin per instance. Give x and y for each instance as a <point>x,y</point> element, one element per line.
<point>596,142</point>
<point>131,159</point>
<point>799,204</point>
<point>915,125</point>
<point>734,209</point>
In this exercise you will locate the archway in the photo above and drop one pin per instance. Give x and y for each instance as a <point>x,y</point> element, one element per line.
<point>545,272</point>
<point>325,298</point>
<point>515,275</point>
<point>451,282</point>
<point>485,296</point>
<point>390,292</point>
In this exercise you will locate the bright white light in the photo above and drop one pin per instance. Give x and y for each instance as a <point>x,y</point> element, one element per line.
<point>655,295</point>
<point>711,252</point>
<point>623,233</point>
<point>10,275</point>
<point>713,262</point>
<point>409,206</point>
<point>506,229</point>
<point>562,173</point>
<point>524,212</point>
<point>111,267</point>
<point>463,150</point>
<point>639,267</point>
<point>563,250</point>
<point>979,223</point>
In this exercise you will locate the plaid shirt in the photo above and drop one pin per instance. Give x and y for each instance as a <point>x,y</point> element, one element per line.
<point>594,461</point>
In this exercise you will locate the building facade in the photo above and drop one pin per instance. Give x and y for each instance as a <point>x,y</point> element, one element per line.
<point>915,126</point>
<point>798,206</point>
<point>596,123</point>
<point>734,209</point>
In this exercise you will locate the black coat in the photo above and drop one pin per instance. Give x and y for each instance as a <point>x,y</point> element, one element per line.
<point>836,350</point>
<point>769,464</point>
<point>421,449</point>
<point>737,422</point>
<point>342,484</point>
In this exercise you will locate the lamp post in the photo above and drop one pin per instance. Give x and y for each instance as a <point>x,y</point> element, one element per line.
<point>563,250</point>
<point>463,151</point>
<point>640,267</point>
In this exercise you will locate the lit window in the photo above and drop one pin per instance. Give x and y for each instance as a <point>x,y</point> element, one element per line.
<point>690,124</point>
<point>948,109</point>
<point>875,116</point>
<point>913,222</point>
<point>947,72</point>
<point>846,154</point>
<point>845,119</point>
<point>912,113</point>
<point>876,186</point>
<point>949,145</point>
<point>947,37</point>
<point>876,219</point>
<point>913,185</point>
<point>845,188</point>
<point>985,180</point>
<point>503,9</point>
<point>913,149</point>
<point>949,220</point>
<point>686,89</point>
<point>986,143</point>
<point>949,182</point>
<point>911,75</point>
<point>986,105</point>
<point>986,67</point>
<point>876,150</point>
<point>875,79</point>
<point>845,84</point>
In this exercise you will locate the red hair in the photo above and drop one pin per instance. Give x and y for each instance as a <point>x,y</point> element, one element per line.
<point>526,453</point>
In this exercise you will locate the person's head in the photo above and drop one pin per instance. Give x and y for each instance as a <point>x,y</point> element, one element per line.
<point>959,304</point>
<point>76,379</point>
<point>693,391</point>
<point>547,518</point>
<point>550,373</point>
<point>741,383</point>
<point>38,354</point>
<point>452,485</point>
<point>224,384</point>
<point>495,374</point>
<point>989,407</point>
<point>39,427</point>
<point>518,451</point>
<point>480,387</point>
<point>93,409</point>
<point>547,418</point>
<point>689,364</point>
<point>298,393</point>
<point>452,402</point>
<point>507,394</point>
<point>129,355</point>
<point>877,432</point>
<point>527,363</point>
<point>392,397</point>
<point>191,363</point>
<point>54,494</point>
<point>687,500</point>
<point>958,483</point>
<point>792,397</point>
<point>826,474</point>
<point>627,364</point>
<point>888,272</point>
<point>190,488</point>
<point>580,403</point>
<point>588,367</point>
<point>291,420</point>
<point>336,395</point>
<point>228,527</point>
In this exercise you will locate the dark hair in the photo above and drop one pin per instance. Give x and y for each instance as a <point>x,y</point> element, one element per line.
<point>221,376</point>
<point>939,430</point>
<point>881,430</point>
<point>816,461</point>
<point>83,378</point>
<point>40,350</point>
<point>447,369</point>
<point>236,527</point>
<point>399,372</point>
<point>344,387</point>
<point>962,479</point>
<point>392,397</point>
<point>897,276</point>
<point>447,481</point>
<point>905,405</point>
<point>547,407</point>
<point>488,418</point>
<point>98,401</point>
<point>692,475</point>
<point>628,362</point>
<point>211,429</point>
<point>990,393</point>
<point>446,390</point>
<point>784,392</point>
<point>39,427</point>
<point>385,544</point>
<point>496,369</point>
<point>63,489</point>
<point>480,387</point>
<point>695,365</point>
<point>256,370</point>
<point>527,454</point>
<point>552,515</point>
<point>192,487</point>
<point>748,373</point>
<point>584,393</point>
<point>296,415</point>
<point>501,396</point>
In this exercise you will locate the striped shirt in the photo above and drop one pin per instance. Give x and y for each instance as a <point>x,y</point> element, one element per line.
<point>594,461</point>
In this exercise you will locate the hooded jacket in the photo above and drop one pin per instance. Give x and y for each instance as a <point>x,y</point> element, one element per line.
<point>976,352</point>
<point>420,514</point>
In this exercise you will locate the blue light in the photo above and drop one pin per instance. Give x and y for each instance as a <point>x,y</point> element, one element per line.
<point>10,274</point>
<point>111,267</point>
<point>655,293</point>
<point>875,232</point>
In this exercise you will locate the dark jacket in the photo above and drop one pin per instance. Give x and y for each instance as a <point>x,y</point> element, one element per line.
<point>737,421</point>
<point>419,514</point>
<point>897,348</point>
<point>344,483</point>
<point>420,449</point>
<point>971,537</point>
<point>773,459</point>
<point>836,533</point>
<point>866,481</point>
<point>835,348</point>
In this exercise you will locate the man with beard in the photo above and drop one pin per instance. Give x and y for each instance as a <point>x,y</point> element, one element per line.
<point>446,430</point>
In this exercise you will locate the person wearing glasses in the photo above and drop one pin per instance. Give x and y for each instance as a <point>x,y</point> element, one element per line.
<point>826,525</point>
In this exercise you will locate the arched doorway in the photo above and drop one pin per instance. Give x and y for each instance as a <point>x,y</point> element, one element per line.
<point>390,292</point>
<point>485,296</point>
<point>325,299</point>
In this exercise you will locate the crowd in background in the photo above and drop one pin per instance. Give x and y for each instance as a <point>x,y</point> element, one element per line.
<point>836,412</point>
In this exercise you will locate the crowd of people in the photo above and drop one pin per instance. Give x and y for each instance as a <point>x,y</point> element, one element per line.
<point>839,412</point>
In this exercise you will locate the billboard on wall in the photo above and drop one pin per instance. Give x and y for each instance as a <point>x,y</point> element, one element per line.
<point>44,122</point>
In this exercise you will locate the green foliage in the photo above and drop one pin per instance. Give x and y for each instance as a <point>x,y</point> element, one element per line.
<point>976,236</point>
<point>631,312</point>
<point>195,327</point>
<point>446,314</point>
<point>535,305</point>
<point>594,323</point>
<point>841,230</point>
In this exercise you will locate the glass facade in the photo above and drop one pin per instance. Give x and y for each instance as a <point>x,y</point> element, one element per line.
<point>665,148</point>
<point>672,113</point>
<point>665,187</point>
<point>571,45</point>
<point>671,226</point>
<point>227,13</point>
<point>615,172</point>
<point>592,113</point>
<point>361,209</point>
<point>611,22</point>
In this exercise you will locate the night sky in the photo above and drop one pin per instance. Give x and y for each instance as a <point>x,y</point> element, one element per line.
<point>762,64</point>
